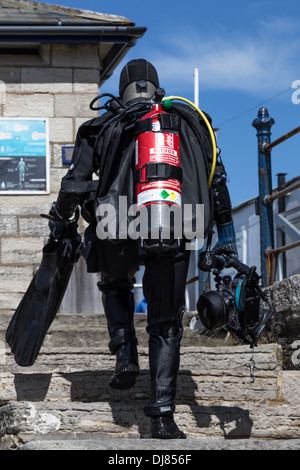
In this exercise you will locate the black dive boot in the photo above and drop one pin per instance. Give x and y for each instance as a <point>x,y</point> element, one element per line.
<point>118,302</point>
<point>164,427</point>
<point>127,367</point>
<point>164,365</point>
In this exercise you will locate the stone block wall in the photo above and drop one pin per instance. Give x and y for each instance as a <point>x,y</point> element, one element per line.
<point>57,81</point>
<point>284,327</point>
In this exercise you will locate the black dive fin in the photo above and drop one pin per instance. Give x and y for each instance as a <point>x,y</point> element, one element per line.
<point>37,309</point>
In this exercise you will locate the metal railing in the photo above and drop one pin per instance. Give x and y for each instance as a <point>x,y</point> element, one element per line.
<point>269,254</point>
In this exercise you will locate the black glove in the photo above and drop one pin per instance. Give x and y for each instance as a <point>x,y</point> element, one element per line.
<point>62,229</point>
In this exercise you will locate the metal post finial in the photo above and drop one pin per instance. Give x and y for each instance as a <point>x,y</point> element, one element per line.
<point>263,122</point>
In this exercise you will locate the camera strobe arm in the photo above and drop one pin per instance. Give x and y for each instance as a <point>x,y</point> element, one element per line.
<point>235,263</point>
<point>208,261</point>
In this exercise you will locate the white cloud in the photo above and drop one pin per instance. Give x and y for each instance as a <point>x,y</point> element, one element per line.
<point>262,59</point>
<point>252,62</point>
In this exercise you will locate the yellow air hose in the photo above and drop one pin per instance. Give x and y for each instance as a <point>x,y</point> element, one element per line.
<point>211,132</point>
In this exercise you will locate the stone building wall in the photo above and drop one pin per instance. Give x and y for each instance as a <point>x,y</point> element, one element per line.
<point>57,81</point>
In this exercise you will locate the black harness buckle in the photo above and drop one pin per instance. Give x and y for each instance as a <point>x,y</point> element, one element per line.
<point>158,171</point>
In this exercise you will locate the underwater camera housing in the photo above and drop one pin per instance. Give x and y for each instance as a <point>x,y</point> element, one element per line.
<point>234,306</point>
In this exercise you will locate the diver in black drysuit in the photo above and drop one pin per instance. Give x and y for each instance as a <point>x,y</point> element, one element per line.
<point>108,147</point>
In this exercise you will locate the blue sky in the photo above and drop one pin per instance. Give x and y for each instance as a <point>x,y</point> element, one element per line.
<point>247,54</point>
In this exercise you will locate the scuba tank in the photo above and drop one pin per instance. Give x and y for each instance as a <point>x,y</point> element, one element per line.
<point>155,189</point>
<point>158,179</point>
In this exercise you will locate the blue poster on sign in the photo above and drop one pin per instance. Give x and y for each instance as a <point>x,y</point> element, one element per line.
<point>24,156</point>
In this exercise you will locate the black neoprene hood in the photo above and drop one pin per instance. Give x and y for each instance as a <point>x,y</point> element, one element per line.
<point>135,70</point>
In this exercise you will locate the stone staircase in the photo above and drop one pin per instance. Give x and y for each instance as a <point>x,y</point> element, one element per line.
<point>64,401</point>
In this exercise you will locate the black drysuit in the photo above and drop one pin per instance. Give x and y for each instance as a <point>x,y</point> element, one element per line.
<point>110,150</point>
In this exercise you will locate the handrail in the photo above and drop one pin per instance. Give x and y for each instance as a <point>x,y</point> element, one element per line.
<point>268,147</point>
<point>283,192</point>
<point>283,248</point>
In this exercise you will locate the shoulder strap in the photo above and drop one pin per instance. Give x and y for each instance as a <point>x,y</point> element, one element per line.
<point>79,187</point>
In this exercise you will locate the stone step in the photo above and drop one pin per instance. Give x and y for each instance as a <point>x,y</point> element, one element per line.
<point>148,447</point>
<point>80,320</point>
<point>85,330</point>
<point>215,401</point>
<point>72,321</point>
<point>98,337</point>
<point>207,419</point>
<point>205,374</point>
<point>200,359</point>
<point>94,386</point>
<point>64,402</point>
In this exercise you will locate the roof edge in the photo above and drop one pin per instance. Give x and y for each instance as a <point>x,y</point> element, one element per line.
<point>29,33</point>
<point>75,12</point>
